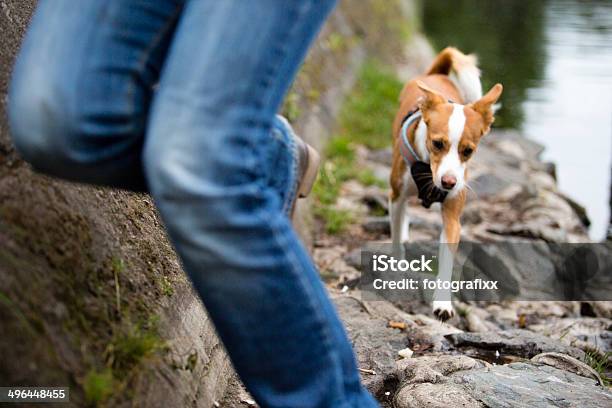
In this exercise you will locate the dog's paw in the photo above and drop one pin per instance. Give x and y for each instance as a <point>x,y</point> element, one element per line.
<point>443,309</point>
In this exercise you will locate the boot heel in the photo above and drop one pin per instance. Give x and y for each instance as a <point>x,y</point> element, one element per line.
<point>310,175</point>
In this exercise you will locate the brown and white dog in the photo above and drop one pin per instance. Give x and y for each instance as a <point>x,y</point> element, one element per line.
<point>441,119</point>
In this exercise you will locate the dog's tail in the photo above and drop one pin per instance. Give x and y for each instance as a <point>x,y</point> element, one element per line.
<point>462,70</point>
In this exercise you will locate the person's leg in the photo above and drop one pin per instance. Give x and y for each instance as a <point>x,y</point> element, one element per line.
<point>207,164</point>
<point>82,85</point>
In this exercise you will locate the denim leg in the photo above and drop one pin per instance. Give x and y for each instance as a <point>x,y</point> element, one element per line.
<point>82,85</point>
<point>282,154</point>
<point>210,174</point>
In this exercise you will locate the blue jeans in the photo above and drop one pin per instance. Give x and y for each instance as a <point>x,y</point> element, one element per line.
<point>178,98</point>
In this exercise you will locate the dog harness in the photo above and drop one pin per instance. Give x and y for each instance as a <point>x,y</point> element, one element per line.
<point>421,171</point>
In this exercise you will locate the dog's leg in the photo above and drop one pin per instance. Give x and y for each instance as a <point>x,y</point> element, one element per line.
<point>400,185</point>
<point>442,304</point>
<point>449,241</point>
<point>400,224</point>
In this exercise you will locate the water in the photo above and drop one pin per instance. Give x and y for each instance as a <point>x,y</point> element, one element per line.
<point>554,58</point>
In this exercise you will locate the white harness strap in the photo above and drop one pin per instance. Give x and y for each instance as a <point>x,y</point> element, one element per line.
<point>408,153</point>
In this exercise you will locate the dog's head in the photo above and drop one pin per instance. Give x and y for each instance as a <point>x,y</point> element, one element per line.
<point>453,134</point>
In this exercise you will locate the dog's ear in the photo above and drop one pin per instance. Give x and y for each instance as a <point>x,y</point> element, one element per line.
<point>431,99</point>
<point>485,105</point>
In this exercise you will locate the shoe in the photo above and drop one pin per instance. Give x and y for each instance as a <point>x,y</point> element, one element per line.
<point>308,169</point>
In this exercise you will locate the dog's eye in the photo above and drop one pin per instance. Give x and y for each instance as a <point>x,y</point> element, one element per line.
<point>467,152</point>
<point>438,144</point>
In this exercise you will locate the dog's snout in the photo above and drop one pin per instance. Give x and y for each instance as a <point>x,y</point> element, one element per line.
<point>449,181</point>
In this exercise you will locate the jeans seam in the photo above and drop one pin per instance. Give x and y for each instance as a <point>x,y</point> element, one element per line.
<point>292,195</point>
<point>154,43</point>
<point>292,146</point>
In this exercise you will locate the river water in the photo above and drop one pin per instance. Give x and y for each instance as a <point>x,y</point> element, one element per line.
<point>554,58</point>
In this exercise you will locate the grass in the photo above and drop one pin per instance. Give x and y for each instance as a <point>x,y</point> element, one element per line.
<point>292,109</point>
<point>365,119</point>
<point>367,115</point>
<point>166,286</point>
<point>462,311</point>
<point>336,220</point>
<point>118,267</point>
<point>338,168</point>
<point>98,386</point>
<point>129,347</point>
<point>599,362</point>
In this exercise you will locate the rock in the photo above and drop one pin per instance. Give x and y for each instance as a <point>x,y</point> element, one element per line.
<point>587,333</point>
<point>487,185</point>
<point>378,225</point>
<point>377,201</point>
<point>427,384</point>
<point>550,168</point>
<point>382,172</point>
<point>375,344</point>
<point>551,209</point>
<point>578,209</point>
<point>510,148</point>
<point>432,369</point>
<point>353,258</point>
<point>567,363</point>
<point>434,396</point>
<point>418,53</point>
<point>382,156</point>
<point>513,343</point>
<point>531,385</point>
<point>405,353</point>
<point>543,310</point>
<point>434,381</point>
<point>429,334</point>
<point>533,230</point>
<point>425,220</point>
<point>602,309</point>
<point>510,141</point>
<point>504,316</point>
<point>333,267</point>
<point>513,194</point>
<point>476,324</point>
<point>542,181</point>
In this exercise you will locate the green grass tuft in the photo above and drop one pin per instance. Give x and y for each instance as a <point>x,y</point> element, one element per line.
<point>599,362</point>
<point>368,178</point>
<point>129,349</point>
<point>166,286</point>
<point>98,386</point>
<point>462,311</point>
<point>336,220</point>
<point>340,147</point>
<point>291,109</point>
<point>367,116</point>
